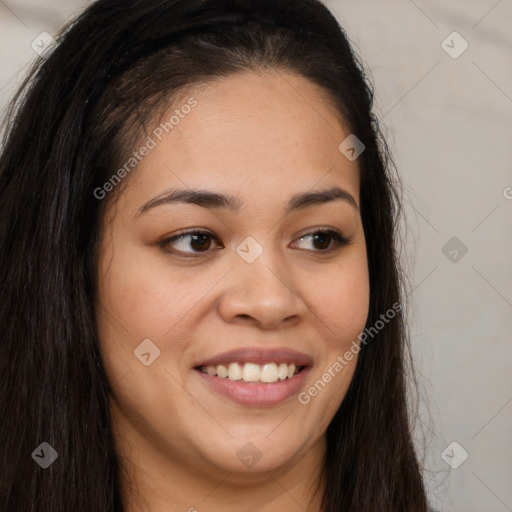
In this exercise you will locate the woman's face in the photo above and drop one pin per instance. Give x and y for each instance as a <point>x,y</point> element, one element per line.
<point>262,286</point>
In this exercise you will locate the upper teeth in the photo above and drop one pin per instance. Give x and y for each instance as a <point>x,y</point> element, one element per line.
<point>250,372</point>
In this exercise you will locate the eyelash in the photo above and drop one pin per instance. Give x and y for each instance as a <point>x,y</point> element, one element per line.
<point>339,241</point>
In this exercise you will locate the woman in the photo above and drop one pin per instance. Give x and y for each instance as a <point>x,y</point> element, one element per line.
<point>201,297</point>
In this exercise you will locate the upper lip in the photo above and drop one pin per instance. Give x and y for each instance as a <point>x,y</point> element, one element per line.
<point>259,356</point>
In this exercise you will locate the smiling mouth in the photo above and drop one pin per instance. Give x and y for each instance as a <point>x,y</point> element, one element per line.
<point>252,372</point>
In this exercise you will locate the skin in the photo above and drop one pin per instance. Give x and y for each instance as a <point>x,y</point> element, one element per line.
<point>263,137</point>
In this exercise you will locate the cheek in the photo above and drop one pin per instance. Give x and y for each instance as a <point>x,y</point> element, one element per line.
<point>148,301</point>
<point>341,302</point>
<point>340,299</point>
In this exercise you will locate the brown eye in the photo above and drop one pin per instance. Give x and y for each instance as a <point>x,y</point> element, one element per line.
<point>323,240</point>
<point>200,242</point>
<point>189,243</point>
<point>326,240</point>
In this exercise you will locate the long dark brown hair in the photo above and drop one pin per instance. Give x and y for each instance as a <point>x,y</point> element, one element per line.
<point>69,128</point>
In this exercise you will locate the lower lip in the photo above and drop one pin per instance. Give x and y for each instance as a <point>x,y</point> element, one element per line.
<point>254,393</point>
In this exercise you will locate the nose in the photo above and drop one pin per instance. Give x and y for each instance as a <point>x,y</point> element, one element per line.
<point>262,293</point>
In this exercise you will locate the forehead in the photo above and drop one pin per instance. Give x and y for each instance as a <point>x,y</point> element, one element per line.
<point>253,134</point>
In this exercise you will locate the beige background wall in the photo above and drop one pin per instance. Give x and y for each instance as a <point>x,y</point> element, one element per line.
<point>449,123</point>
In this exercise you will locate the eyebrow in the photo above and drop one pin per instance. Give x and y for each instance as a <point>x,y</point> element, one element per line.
<point>213,200</point>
